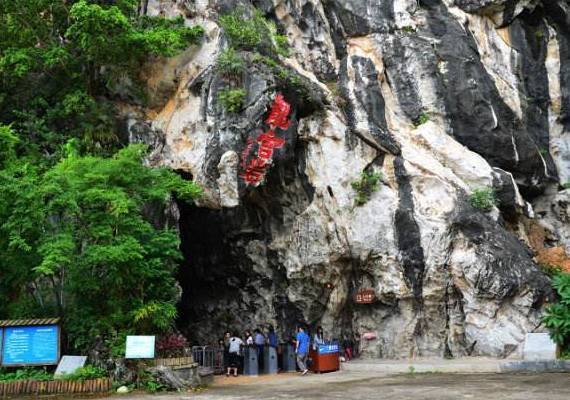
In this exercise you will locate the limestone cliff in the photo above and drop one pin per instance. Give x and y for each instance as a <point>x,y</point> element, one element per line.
<point>442,97</point>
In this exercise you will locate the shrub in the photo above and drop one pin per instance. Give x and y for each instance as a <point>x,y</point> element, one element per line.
<point>369,183</point>
<point>36,374</point>
<point>230,63</point>
<point>171,345</point>
<point>85,373</point>
<point>243,32</point>
<point>232,99</point>
<point>557,316</point>
<point>282,45</point>
<point>253,32</point>
<point>483,199</point>
<point>566,185</point>
<point>422,119</point>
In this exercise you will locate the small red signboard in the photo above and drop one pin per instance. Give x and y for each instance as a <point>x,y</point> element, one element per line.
<point>365,296</point>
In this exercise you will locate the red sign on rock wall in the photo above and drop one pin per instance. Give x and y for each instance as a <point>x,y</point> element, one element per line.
<point>254,171</point>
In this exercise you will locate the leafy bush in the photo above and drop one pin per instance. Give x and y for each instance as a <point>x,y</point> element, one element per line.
<point>253,32</point>
<point>171,345</point>
<point>232,99</point>
<point>566,185</point>
<point>369,183</point>
<point>230,63</point>
<point>557,316</point>
<point>26,373</point>
<point>85,373</point>
<point>483,198</point>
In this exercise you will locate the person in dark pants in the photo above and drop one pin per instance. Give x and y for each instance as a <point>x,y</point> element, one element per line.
<point>227,337</point>
<point>302,349</point>
<point>273,342</point>
<point>234,352</point>
<point>259,340</point>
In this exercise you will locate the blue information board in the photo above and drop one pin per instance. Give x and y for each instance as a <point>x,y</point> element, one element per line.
<point>328,348</point>
<point>1,342</point>
<point>30,345</point>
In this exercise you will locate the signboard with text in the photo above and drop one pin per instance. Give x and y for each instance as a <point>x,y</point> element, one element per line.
<point>30,345</point>
<point>140,347</point>
<point>328,348</point>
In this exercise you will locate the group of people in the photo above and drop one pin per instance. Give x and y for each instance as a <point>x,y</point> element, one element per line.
<point>233,346</point>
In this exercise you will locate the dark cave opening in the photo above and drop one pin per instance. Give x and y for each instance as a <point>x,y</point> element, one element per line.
<point>222,287</point>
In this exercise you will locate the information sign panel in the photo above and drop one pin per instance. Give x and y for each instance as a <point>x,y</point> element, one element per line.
<point>69,364</point>
<point>140,347</point>
<point>30,345</point>
<point>1,343</point>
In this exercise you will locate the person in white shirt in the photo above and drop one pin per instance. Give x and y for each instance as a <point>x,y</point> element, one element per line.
<point>235,344</point>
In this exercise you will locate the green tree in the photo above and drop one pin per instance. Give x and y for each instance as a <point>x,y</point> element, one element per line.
<point>80,243</point>
<point>63,62</point>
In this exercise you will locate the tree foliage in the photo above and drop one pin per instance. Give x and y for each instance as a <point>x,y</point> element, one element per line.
<point>79,242</point>
<point>63,61</point>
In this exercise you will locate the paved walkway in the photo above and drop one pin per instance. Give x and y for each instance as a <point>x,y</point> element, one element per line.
<point>345,385</point>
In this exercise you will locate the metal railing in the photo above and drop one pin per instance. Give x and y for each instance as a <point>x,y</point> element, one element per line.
<point>209,357</point>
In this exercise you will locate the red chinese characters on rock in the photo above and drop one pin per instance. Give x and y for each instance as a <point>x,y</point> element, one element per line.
<point>255,170</point>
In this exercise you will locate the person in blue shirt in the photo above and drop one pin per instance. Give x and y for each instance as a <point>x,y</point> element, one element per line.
<point>302,349</point>
<point>259,340</point>
<point>272,336</point>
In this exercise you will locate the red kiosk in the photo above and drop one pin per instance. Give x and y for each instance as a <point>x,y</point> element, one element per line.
<point>325,358</point>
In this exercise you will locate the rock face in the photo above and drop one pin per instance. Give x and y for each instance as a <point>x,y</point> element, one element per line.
<point>441,97</point>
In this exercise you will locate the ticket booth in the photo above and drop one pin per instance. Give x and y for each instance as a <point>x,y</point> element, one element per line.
<point>325,358</point>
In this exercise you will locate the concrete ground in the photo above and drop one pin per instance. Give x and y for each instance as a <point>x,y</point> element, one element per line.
<point>347,385</point>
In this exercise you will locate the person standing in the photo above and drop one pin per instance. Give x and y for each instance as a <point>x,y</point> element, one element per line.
<point>234,352</point>
<point>259,340</point>
<point>319,338</point>
<point>248,338</point>
<point>272,337</point>
<point>227,337</point>
<point>301,349</point>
